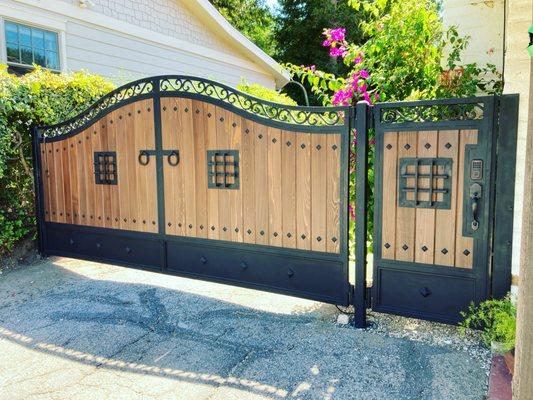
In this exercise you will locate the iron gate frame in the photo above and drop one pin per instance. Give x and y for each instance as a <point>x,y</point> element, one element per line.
<point>151,88</point>
<point>491,269</point>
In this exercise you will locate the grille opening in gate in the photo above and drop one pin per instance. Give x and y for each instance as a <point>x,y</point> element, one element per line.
<point>425,182</point>
<point>105,167</point>
<point>223,169</point>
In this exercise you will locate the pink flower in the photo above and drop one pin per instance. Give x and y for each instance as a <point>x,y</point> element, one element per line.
<point>372,142</point>
<point>376,97</point>
<point>352,211</point>
<point>312,68</point>
<point>364,74</point>
<point>366,96</point>
<point>358,59</point>
<point>342,97</point>
<point>337,34</point>
<point>326,43</point>
<point>337,51</point>
<point>362,88</point>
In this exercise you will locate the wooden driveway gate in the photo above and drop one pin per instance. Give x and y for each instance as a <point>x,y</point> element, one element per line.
<point>189,177</point>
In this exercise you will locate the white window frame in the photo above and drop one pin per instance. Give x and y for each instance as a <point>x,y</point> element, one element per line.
<point>52,26</point>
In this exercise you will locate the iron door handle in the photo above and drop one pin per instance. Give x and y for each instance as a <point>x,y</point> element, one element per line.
<point>475,196</point>
<point>173,153</point>
<point>146,155</point>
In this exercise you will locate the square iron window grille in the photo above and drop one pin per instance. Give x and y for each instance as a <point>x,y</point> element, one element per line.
<point>223,169</point>
<point>105,167</point>
<point>425,182</point>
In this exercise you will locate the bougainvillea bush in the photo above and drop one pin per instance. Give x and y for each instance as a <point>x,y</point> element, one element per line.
<point>407,55</point>
<point>38,98</point>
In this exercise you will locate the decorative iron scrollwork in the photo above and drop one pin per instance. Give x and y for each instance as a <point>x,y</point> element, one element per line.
<point>432,112</point>
<point>126,92</point>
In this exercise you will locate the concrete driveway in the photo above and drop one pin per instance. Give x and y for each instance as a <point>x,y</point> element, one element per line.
<point>72,329</point>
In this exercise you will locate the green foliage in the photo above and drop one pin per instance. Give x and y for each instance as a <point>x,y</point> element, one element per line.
<point>264,93</point>
<point>298,31</point>
<point>38,98</point>
<point>496,319</point>
<point>252,18</point>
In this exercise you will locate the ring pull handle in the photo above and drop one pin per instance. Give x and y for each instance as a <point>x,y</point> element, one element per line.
<point>176,154</point>
<point>144,155</point>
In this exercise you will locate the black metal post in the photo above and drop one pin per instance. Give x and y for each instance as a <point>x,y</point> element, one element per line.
<point>38,192</point>
<point>361,197</point>
<point>504,193</point>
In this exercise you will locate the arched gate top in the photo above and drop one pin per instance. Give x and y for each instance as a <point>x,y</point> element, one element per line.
<point>309,119</point>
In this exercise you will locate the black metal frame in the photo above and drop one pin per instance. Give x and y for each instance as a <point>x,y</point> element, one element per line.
<point>213,173</point>
<point>289,271</point>
<point>405,288</point>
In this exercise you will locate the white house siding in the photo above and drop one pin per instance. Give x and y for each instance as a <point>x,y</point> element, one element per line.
<point>483,22</point>
<point>169,17</point>
<point>110,45</point>
<point>123,58</point>
<point>518,76</point>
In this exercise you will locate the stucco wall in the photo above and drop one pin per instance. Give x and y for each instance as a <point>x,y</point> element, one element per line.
<point>517,76</point>
<point>483,21</point>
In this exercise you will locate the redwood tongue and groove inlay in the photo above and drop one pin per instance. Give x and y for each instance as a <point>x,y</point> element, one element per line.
<point>289,182</point>
<point>417,234</point>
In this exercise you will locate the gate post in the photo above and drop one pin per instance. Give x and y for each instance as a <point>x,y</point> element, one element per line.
<point>361,197</point>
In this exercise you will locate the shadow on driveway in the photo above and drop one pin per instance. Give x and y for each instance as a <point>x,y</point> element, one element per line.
<point>73,329</point>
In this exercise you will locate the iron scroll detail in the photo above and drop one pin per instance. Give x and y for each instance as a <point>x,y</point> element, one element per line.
<point>201,89</point>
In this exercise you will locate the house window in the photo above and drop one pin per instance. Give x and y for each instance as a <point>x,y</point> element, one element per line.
<point>27,45</point>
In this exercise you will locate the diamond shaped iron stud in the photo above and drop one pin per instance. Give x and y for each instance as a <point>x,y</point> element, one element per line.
<point>260,136</point>
<point>424,249</point>
<point>288,143</point>
<point>407,146</point>
<point>274,140</point>
<point>318,147</point>
<point>318,239</point>
<point>389,146</point>
<point>466,252</point>
<point>289,235</point>
<point>249,231</point>
<point>334,147</point>
<point>444,251</point>
<point>262,233</point>
<point>447,145</point>
<point>302,146</point>
<point>387,246</point>
<point>303,236</point>
<point>405,247</point>
<point>275,234</point>
<point>334,239</point>
<point>427,146</point>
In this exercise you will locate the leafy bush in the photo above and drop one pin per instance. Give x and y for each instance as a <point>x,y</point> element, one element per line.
<point>497,320</point>
<point>264,93</point>
<point>38,98</point>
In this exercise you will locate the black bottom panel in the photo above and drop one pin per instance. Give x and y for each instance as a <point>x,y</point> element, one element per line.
<point>303,277</point>
<point>419,294</point>
<point>315,276</point>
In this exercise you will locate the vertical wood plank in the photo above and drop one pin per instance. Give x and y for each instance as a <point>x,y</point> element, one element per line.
<point>288,185</point>
<point>59,183</point>
<point>274,187</point>
<point>448,147</point>
<point>406,216</point>
<point>303,190</point>
<point>425,217</point>
<point>247,171</point>
<point>389,195</point>
<point>82,172</point>
<point>333,151</point>
<point>96,135</point>
<point>318,194</point>
<point>199,133</point>
<point>45,168</point>
<point>142,218</point>
<point>234,129</point>
<point>261,184</point>
<point>73,174</point>
<point>463,244</point>
<point>122,167</point>
<point>150,170</point>
<point>189,173</point>
<point>212,194</point>
<point>114,200</point>
<point>65,164</point>
<point>170,141</point>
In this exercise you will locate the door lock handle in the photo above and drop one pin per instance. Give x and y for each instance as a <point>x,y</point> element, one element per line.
<point>475,196</point>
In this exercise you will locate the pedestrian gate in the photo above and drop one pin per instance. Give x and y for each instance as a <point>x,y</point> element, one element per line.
<point>189,177</point>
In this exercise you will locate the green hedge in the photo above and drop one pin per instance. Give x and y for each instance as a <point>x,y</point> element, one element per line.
<point>38,98</point>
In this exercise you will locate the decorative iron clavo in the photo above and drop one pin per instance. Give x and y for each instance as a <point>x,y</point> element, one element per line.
<point>425,182</point>
<point>105,167</point>
<point>223,169</point>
